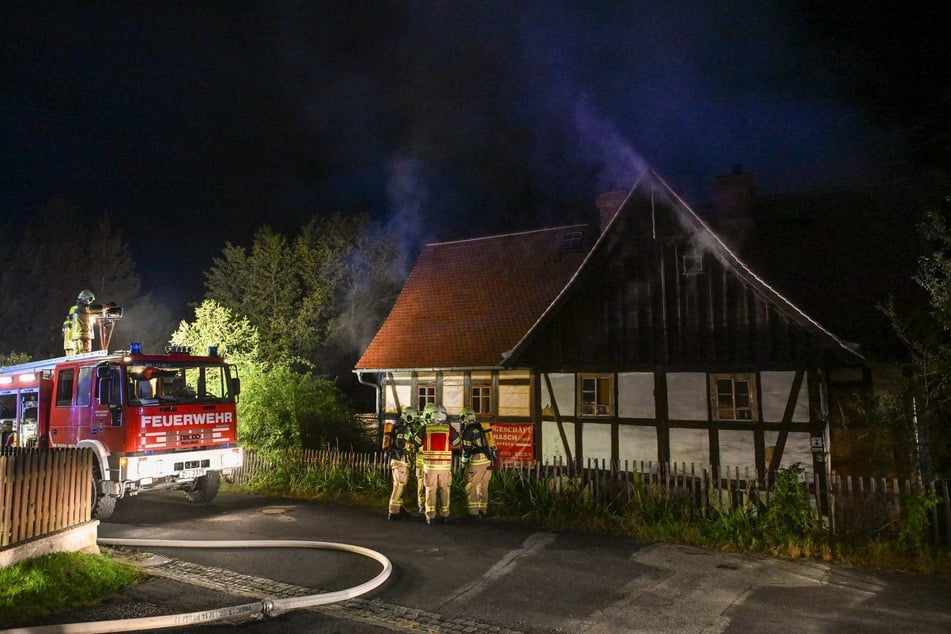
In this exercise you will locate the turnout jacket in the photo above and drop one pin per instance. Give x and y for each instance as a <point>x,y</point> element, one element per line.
<point>438,441</point>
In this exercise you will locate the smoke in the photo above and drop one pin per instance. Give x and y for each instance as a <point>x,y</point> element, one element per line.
<point>407,193</point>
<point>620,164</point>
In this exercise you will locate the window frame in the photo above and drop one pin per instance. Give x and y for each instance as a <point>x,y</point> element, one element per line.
<point>84,382</point>
<point>425,394</point>
<point>609,406</point>
<point>484,397</point>
<point>734,407</point>
<point>66,376</point>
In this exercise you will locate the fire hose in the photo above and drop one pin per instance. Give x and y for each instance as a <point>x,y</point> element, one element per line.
<point>264,607</point>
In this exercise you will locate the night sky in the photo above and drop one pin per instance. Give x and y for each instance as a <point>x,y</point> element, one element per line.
<point>193,123</point>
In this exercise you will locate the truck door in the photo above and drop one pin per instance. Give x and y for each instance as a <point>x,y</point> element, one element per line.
<point>82,412</point>
<point>102,399</point>
<point>63,430</point>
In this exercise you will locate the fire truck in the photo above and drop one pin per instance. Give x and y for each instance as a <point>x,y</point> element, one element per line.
<point>152,421</point>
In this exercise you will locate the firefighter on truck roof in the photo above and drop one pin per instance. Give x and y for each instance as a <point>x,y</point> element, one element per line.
<point>77,328</point>
<point>80,323</point>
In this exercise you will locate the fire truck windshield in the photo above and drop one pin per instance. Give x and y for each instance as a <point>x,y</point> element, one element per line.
<point>178,383</point>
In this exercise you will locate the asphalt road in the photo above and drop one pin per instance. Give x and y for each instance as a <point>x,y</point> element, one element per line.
<point>496,577</point>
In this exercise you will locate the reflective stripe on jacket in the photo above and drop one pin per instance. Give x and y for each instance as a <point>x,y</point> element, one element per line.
<point>438,442</point>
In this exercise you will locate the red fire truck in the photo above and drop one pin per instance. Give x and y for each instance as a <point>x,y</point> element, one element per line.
<point>153,421</point>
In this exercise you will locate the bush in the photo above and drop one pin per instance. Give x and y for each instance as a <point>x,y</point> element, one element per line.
<point>283,409</point>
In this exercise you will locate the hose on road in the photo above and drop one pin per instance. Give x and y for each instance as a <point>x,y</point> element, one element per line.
<point>265,607</point>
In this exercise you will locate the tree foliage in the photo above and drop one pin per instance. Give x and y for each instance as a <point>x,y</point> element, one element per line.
<point>323,290</point>
<point>286,409</point>
<point>215,325</point>
<point>928,339</point>
<point>279,407</point>
<point>46,262</point>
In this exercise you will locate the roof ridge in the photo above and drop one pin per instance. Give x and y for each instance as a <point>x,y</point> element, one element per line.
<point>506,235</point>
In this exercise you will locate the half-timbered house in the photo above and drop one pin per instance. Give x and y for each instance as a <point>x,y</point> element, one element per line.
<point>642,340</point>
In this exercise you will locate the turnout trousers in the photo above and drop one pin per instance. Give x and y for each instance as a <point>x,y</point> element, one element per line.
<point>400,475</point>
<point>438,482</point>
<point>420,484</point>
<point>477,487</point>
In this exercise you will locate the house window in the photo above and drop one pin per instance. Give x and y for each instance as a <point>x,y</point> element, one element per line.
<point>693,263</point>
<point>734,396</point>
<point>426,395</point>
<point>64,388</point>
<point>596,394</point>
<point>481,399</point>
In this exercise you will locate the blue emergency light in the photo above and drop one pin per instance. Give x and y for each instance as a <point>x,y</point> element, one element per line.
<point>135,348</point>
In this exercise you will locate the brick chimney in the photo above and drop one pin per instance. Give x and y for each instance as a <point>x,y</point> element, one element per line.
<point>608,205</point>
<point>733,196</point>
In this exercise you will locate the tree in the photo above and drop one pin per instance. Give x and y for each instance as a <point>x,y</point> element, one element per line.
<point>56,256</point>
<point>316,296</point>
<point>216,325</point>
<point>13,358</point>
<point>285,409</point>
<point>928,339</point>
<point>279,408</point>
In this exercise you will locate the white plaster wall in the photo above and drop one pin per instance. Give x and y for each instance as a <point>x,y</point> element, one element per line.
<point>596,440</point>
<point>637,444</point>
<point>687,396</point>
<point>635,395</point>
<point>563,385</point>
<point>514,400</point>
<point>775,387</point>
<point>453,393</point>
<point>690,446</point>
<point>798,449</point>
<point>552,446</point>
<point>737,449</point>
<point>403,391</point>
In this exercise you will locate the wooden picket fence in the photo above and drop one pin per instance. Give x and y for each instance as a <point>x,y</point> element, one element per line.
<point>43,491</point>
<point>851,504</point>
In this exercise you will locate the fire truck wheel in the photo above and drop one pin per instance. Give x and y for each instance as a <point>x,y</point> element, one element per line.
<point>102,505</point>
<point>205,488</point>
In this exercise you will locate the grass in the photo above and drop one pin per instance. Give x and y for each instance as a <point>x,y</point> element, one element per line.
<point>58,582</point>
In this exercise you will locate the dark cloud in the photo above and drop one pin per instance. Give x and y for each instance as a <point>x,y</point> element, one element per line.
<point>193,123</point>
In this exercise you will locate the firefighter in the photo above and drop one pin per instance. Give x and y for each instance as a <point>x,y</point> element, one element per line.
<point>439,438</point>
<point>417,440</point>
<point>478,454</point>
<point>77,328</point>
<point>414,458</point>
<point>397,441</point>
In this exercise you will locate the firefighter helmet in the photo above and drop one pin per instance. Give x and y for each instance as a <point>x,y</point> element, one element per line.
<point>428,412</point>
<point>467,415</point>
<point>85,297</point>
<point>440,415</point>
<point>410,415</point>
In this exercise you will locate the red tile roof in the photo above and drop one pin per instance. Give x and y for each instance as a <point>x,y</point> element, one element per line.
<point>466,303</point>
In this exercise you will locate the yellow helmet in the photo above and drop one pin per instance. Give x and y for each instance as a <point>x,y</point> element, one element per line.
<point>85,297</point>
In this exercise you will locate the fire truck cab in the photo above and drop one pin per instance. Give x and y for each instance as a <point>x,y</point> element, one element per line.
<point>165,421</point>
